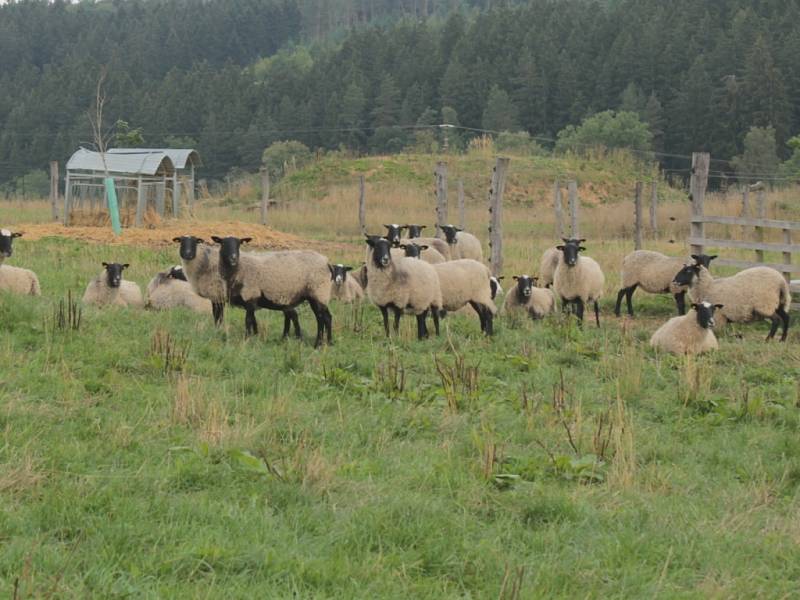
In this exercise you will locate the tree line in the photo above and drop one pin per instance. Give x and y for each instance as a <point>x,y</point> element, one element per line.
<point>230,78</point>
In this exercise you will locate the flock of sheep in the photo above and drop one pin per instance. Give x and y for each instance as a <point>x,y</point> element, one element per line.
<point>430,276</point>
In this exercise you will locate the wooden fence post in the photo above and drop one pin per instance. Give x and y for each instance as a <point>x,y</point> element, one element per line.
<point>637,209</point>
<point>787,256</point>
<point>264,194</point>
<point>176,196</point>
<point>141,201</point>
<point>559,212</point>
<point>697,190</point>
<point>441,195</point>
<point>54,189</point>
<point>67,198</point>
<point>654,208</point>
<point>462,217</point>
<point>362,205</point>
<point>745,201</point>
<point>761,213</point>
<point>496,214</point>
<point>572,191</point>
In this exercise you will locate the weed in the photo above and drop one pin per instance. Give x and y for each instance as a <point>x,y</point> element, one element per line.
<point>67,316</point>
<point>167,354</point>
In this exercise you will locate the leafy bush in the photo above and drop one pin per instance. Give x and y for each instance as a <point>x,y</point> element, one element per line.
<point>283,157</point>
<point>518,142</point>
<point>759,158</point>
<point>607,129</point>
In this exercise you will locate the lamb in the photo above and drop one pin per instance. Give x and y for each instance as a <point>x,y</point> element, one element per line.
<point>467,281</point>
<point>276,281</point>
<point>688,334</point>
<point>654,272</point>
<point>6,239</point>
<point>170,289</point>
<point>757,292</point>
<point>525,297</point>
<point>425,252</point>
<point>549,262</point>
<point>343,286</point>
<point>462,244</point>
<point>402,284</point>
<point>578,280</point>
<point>19,281</point>
<point>109,289</point>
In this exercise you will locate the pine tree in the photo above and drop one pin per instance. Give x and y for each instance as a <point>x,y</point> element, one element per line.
<point>632,99</point>
<point>767,102</point>
<point>387,103</point>
<point>530,93</point>
<point>500,113</point>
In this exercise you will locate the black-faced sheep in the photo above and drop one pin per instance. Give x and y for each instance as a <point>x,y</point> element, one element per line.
<point>109,289</point>
<point>344,286</point>
<point>171,289</point>
<point>6,242</point>
<point>402,284</point>
<point>276,281</point>
<point>424,252</point>
<point>462,244</point>
<point>467,281</point>
<point>690,333</point>
<point>549,262</point>
<point>525,297</point>
<point>578,280</point>
<point>393,232</point>
<point>755,293</point>
<point>654,272</point>
<point>414,231</point>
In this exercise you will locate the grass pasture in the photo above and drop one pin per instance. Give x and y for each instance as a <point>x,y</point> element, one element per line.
<point>150,455</point>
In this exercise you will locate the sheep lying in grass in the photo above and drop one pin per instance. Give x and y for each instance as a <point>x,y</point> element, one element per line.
<point>171,289</point>
<point>654,272</point>
<point>688,334</point>
<point>109,289</point>
<point>424,252</point>
<point>402,284</point>
<point>526,298</point>
<point>6,239</point>
<point>462,244</point>
<point>549,262</point>
<point>467,281</point>
<point>19,281</point>
<point>755,293</point>
<point>578,280</point>
<point>343,286</point>
<point>276,281</point>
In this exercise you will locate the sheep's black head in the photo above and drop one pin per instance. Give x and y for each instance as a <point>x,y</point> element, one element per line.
<point>393,233</point>
<point>339,273</point>
<point>571,249</point>
<point>413,250</point>
<point>176,272</point>
<point>414,231</point>
<point>229,249</point>
<point>450,232</point>
<point>381,251</point>
<point>686,275</point>
<point>705,313</point>
<point>525,285</point>
<point>114,273</point>
<point>703,259</point>
<point>188,249</point>
<point>6,237</point>
<point>494,285</point>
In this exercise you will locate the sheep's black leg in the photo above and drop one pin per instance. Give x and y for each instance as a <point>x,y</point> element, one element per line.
<point>385,313</point>
<point>316,308</point>
<point>326,315</point>
<point>489,319</point>
<point>776,320</point>
<point>218,309</point>
<point>250,323</point>
<point>579,309</point>
<point>296,321</point>
<point>620,295</point>
<point>422,330</point>
<point>397,314</point>
<point>629,299</point>
<point>597,313</point>
<point>435,316</point>
<point>785,316</point>
<point>680,301</point>
<point>479,308</point>
<point>287,320</point>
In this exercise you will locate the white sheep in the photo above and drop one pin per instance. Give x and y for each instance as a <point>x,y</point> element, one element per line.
<point>578,280</point>
<point>170,289</point>
<point>525,297</point>
<point>426,253</point>
<point>109,289</point>
<point>654,272</point>
<point>690,333</point>
<point>549,262</point>
<point>402,284</point>
<point>758,292</point>
<point>344,286</point>
<point>19,281</point>
<point>467,282</point>
<point>276,281</point>
<point>201,266</point>
<point>435,243</point>
<point>462,244</point>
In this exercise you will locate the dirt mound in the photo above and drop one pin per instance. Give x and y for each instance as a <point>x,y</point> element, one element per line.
<point>162,235</point>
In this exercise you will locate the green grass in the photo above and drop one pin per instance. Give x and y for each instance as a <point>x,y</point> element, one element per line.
<point>262,468</point>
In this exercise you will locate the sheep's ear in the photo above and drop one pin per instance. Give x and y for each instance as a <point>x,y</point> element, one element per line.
<point>370,242</point>
<point>581,240</point>
<point>105,264</point>
<point>346,269</point>
<point>712,257</point>
<point>199,240</point>
<point>500,277</point>
<point>424,247</point>
<point>330,268</point>
<point>245,240</point>
<point>176,239</point>
<point>387,226</point>
<point>125,266</point>
<point>694,306</point>
<point>216,239</point>
<point>16,234</point>
<point>515,277</point>
<point>559,247</point>
<point>565,240</point>
<point>403,246</point>
<point>719,306</point>
<point>534,280</point>
<point>581,248</point>
<point>458,229</point>
<point>696,257</point>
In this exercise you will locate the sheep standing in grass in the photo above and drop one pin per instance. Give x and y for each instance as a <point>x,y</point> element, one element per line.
<point>654,272</point>
<point>755,293</point>
<point>402,284</point>
<point>414,231</point>
<point>276,281</point>
<point>549,262</point>
<point>109,289</point>
<point>6,243</point>
<point>525,297</point>
<point>462,244</point>
<point>393,232</point>
<point>171,289</point>
<point>424,252</point>
<point>690,333</point>
<point>578,280</point>
<point>343,286</point>
<point>467,282</point>
<point>433,243</point>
